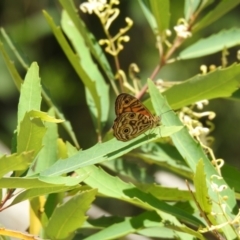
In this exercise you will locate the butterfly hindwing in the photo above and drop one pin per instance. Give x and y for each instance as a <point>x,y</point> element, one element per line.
<point>130,125</point>
<point>133,118</point>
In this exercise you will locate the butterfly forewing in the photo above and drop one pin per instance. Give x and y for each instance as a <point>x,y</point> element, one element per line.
<point>133,118</point>
<point>127,103</point>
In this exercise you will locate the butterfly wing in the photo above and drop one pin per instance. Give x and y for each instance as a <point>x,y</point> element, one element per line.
<point>127,103</point>
<point>129,125</point>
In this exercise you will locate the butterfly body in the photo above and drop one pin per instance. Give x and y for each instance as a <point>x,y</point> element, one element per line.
<point>133,118</point>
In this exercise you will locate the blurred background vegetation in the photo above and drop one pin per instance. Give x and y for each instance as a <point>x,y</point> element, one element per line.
<point>24,22</point>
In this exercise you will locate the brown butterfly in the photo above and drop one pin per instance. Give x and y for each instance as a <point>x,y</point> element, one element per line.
<point>133,118</point>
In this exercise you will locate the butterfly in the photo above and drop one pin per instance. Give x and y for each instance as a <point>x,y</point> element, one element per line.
<point>133,118</point>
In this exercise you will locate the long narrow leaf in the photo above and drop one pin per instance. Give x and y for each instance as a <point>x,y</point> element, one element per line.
<point>91,42</point>
<point>161,12</point>
<point>30,98</point>
<point>127,192</point>
<point>10,65</point>
<point>85,60</point>
<point>219,83</point>
<point>212,44</point>
<point>192,152</point>
<point>68,217</point>
<point>221,9</point>
<point>104,151</point>
<point>74,60</point>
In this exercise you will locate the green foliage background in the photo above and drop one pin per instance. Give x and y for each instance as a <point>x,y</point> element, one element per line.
<point>24,22</point>
<point>28,27</point>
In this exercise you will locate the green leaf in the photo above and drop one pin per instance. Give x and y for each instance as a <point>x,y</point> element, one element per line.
<point>30,135</point>
<point>67,218</point>
<point>186,145</point>
<point>165,156</point>
<point>71,150</point>
<point>74,60</point>
<point>149,224</point>
<point>214,43</point>
<point>120,228</point>
<point>105,151</point>
<point>129,193</point>
<point>66,124</point>
<point>11,68</point>
<point>15,162</point>
<point>48,154</point>
<point>41,182</point>
<point>145,6</point>
<point>68,181</point>
<point>128,169</point>
<point>102,222</point>
<point>18,82</point>
<point>116,188</point>
<point>35,192</point>
<point>165,233</point>
<point>161,12</point>
<point>44,116</point>
<point>190,7</point>
<point>85,60</point>
<point>30,96</point>
<point>29,183</point>
<point>165,193</point>
<point>219,83</point>
<point>170,164</point>
<point>221,9</point>
<point>90,40</point>
<point>201,188</point>
<point>191,151</point>
<point>235,95</point>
